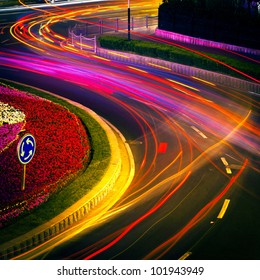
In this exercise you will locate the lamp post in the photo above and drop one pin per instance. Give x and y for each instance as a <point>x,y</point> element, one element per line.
<point>129,38</point>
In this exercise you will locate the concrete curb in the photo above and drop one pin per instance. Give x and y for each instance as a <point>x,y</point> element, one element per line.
<point>81,208</point>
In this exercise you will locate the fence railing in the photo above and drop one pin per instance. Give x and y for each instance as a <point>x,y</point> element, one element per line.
<point>83,36</point>
<point>163,64</point>
<point>203,42</point>
<point>210,76</point>
<point>83,42</point>
<point>104,25</point>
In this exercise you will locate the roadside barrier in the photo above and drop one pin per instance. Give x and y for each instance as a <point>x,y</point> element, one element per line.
<point>203,42</point>
<point>210,76</point>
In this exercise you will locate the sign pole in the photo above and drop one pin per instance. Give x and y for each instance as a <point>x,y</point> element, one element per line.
<point>128,25</point>
<point>25,151</point>
<point>23,179</point>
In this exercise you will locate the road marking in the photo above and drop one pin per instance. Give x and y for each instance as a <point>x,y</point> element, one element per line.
<point>224,161</point>
<point>185,256</point>
<point>228,169</point>
<point>223,209</point>
<point>199,132</point>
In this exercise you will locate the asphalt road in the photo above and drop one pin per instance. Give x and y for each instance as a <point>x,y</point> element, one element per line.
<point>184,133</point>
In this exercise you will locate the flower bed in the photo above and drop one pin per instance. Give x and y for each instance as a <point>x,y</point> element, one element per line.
<point>10,115</point>
<point>8,133</point>
<point>62,152</point>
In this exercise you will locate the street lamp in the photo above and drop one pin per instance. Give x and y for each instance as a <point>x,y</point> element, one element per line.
<point>129,38</point>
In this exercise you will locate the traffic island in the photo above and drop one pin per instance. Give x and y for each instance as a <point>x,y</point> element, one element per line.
<point>117,174</point>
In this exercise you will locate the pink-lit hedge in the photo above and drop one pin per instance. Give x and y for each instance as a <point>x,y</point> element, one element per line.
<point>62,152</point>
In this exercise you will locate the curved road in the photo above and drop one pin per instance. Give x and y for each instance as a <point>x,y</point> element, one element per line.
<point>194,145</point>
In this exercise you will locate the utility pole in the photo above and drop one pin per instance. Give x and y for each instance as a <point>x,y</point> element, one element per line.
<point>129,15</point>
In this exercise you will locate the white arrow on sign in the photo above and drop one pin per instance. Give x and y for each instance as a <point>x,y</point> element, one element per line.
<point>30,153</point>
<point>28,141</point>
<point>22,153</point>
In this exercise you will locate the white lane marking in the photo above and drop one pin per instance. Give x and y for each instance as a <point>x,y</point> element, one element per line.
<point>199,132</point>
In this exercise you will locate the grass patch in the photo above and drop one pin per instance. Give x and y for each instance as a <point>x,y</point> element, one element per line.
<point>100,153</point>
<point>178,55</point>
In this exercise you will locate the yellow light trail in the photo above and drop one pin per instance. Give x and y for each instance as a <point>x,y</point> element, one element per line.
<point>159,66</point>
<point>70,48</point>
<point>193,163</point>
<point>101,58</point>
<point>137,69</point>
<point>204,81</point>
<point>22,41</point>
<point>84,45</point>
<point>118,54</point>
<point>178,83</point>
<point>59,37</point>
<point>48,39</point>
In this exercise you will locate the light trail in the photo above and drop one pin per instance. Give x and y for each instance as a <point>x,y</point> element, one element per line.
<point>167,245</point>
<point>131,226</point>
<point>164,109</point>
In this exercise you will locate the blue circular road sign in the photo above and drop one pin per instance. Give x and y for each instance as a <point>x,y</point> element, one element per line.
<point>26,148</point>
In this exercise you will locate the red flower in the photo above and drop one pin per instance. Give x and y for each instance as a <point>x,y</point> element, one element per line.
<point>62,149</point>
